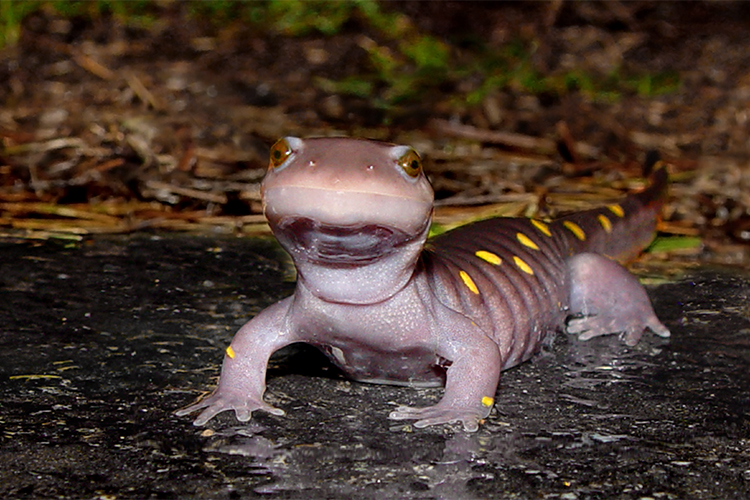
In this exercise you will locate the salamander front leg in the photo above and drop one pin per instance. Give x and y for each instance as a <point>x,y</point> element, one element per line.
<point>605,298</point>
<point>243,374</point>
<point>470,387</point>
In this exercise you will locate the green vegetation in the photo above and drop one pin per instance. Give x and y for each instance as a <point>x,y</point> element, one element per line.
<point>674,243</point>
<point>11,15</point>
<point>613,85</point>
<point>406,65</point>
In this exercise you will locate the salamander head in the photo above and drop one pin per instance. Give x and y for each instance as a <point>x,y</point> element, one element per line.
<point>353,214</point>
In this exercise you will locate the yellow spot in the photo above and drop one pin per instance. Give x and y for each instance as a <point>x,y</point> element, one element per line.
<point>230,352</point>
<point>617,210</point>
<point>575,229</point>
<point>606,224</point>
<point>489,257</point>
<point>488,401</point>
<point>525,241</point>
<point>468,281</point>
<point>523,266</point>
<point>541,226</point>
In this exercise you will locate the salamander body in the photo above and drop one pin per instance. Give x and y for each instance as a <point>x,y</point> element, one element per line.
<point>387,305</point>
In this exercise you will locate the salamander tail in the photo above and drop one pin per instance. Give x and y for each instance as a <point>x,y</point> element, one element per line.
<point>656,171</point>
<point>622,230</point>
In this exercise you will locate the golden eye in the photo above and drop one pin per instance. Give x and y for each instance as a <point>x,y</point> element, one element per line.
<point>411,163</point>
<point>279,153</point>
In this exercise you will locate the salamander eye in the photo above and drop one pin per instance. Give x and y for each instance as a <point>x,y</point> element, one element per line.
<point>410,163</point>
<point>279,153</point>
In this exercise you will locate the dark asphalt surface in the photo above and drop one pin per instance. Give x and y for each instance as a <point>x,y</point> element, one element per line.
<point>102,341</point>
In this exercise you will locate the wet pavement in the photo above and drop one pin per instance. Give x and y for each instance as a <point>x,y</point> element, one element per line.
<point>102,341</point>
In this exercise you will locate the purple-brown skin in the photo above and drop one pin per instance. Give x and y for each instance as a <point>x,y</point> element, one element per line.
<point>388,306</point>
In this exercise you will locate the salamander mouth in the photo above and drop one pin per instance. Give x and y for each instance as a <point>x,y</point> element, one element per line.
<point>327,244</point>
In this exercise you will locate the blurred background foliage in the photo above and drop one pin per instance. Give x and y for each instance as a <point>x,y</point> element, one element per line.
<point>405,64</point>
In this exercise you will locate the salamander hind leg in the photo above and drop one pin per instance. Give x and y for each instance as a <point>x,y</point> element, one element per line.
<point>605,298</point>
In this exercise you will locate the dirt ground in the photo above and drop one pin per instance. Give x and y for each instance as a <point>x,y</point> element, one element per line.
<point>110,128</point>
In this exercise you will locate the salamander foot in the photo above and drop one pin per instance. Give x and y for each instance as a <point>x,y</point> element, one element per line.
<point>436,415</point>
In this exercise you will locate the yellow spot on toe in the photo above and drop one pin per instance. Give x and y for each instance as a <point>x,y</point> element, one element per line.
<point>526,241</point>
<point>541,226</point>
<point>489,257</point>
<point>468,281</point>
<point>617,210</point>
<point>575,229</point>
<point>606,224</point>
<point>230,352</point>
<point>488,401</point>
<point>523,266</point>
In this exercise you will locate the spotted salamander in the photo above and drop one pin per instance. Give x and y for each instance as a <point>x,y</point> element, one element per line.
<point>389,305</point>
